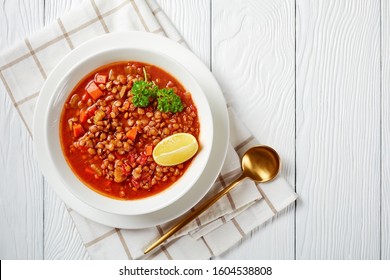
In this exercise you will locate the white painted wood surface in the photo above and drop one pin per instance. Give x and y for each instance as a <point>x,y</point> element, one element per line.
<point>309,78</point>
<point>253,60</point>
<point>385,130</point>
<point>21,183</point>
<point>338,129</point>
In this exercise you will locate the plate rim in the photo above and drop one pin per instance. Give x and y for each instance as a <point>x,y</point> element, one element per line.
<point>219,112</point>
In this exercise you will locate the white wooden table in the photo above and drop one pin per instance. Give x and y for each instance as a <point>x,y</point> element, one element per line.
<point>314,82</point>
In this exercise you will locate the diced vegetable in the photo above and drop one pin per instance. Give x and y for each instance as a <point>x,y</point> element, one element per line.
<point>91,110</point>
<point>132,133</point>
<point>78,130</point>
<point>100,79</point>
<point>85,97</point>
<point>108,110</point>
<point>142,159</point>
<point>74,100</point>
<point>111,75</point>
<point>70,123</point>
<point>123,91</point>
<point>83,115</point>
<point>99,115</point>
<point>93,90</point>
<point>148,150</point>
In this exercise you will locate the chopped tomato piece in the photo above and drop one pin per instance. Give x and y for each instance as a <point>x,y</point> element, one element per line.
<point>91,110</point>
<point>100,79</point>
<point>93,90</point>
<point>99,115</point>
<point>108,110</point>
<point>148,150</point>
<point>132,157</point>
<point>78,130</point>
<point>132,133</point>
<point>85,96</point>
<point>83,115</point>
<point>142,159</point>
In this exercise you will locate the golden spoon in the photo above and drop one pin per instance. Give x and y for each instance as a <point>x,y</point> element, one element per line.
<point>260,164</point>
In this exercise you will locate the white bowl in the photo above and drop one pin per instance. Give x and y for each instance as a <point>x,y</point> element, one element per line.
<point>70,180</point>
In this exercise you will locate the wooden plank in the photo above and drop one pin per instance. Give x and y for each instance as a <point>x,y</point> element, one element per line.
<point>385,55</point>
<point>55,9</point>
<point>62,240</point>
<point>338,129</point>
<point>21,184</point>
<point>253,60</point>
<point>192,20</point>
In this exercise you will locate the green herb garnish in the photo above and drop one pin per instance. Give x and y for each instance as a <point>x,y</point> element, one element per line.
<point>168,101</point>
<point>145,92</point>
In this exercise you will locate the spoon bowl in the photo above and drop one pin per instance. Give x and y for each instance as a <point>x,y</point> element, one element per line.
<point>261,164</point>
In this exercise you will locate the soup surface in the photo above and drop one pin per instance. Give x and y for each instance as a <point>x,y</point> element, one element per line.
<point>113,119</point>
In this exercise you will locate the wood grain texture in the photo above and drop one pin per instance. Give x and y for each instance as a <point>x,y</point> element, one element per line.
<point>338,129</point>
<point>192,20</point>
<point>21,184</point>
<point>62,240</point>
<point>385,145</point>
<point>253,60</point>
<point>56,8</point>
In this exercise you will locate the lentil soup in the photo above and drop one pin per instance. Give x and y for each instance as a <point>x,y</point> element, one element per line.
<point>109,127</point>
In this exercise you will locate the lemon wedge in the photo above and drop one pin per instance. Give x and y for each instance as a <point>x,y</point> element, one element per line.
<point>175,149</point>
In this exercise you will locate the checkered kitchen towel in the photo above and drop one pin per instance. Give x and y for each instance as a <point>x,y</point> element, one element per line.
<point>216,230</point>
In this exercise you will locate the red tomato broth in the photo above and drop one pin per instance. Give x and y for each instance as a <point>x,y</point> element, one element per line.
<point>79,158</point>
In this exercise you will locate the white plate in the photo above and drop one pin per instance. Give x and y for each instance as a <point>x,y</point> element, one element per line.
<point>213,94</point>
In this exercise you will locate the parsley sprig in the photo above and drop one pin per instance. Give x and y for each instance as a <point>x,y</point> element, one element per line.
<point>145,92</point>
<point>168,101</point>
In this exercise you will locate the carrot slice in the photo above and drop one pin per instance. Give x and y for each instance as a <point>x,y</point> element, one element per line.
<point>132,133</point>
<point>78,130</point>
<point>100,79</point>
<point>148,150</point>
<point>93,90</point>
<point>83,115</point>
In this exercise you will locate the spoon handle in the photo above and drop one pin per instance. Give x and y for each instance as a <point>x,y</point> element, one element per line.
<point>194,214</point>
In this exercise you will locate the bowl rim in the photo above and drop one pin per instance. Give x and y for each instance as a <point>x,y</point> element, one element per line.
<point>148,204</point>
<point>213,93</point>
